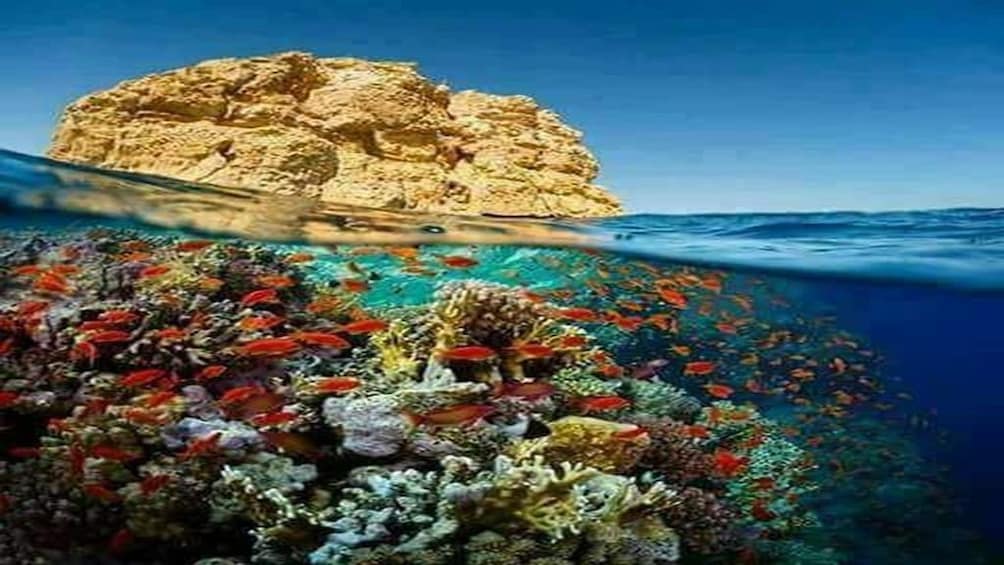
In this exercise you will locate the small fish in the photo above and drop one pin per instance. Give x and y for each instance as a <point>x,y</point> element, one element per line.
<point>270,347</point>
<point>113,453</point>
<point>299,258</point>
<point>51,283</point>
<point>610,370</point>
<point>469,353</point>
<point>719,391</point>
<point>258,403</point>
<point>573,341</point>
<point>458,261</point>
<point>8,399</point>
<point>672,297</point>
<point>355,285</point>
<point>159,398</point>
<point>528,391</point>
<point>631,434</point>
<point>262,296</point>
<point>273,418</point>
<point>602,403</point>
<point>293,443</point>
<point>169,334</point>
<point>109,336</point>
<point>255,323</point>
<point>193,245</point>
<point>143,417</point>
<point>360,327</point>
<point>322,339</point>
<point>532,350</point>
<point>727,463</point>
<point>699,368</point>
<point>154,271</point>
<point>681,350</point>
<point>101,492</point>
<point>764,483</point>
<point>276,281</point>
<point>142,377</point>
<point>153,483</point>
<point>211,372</point>
<point>696,432</point>
<point>336,385</point>
<point>240,394</point>
<point>118,317</point>
<point>29,270</point>
<point>95,325</point>
<point>578,314</point>
<point>210,284</point>
<point>760,512</point>
<point>202,446</point>
<point>455,415</point>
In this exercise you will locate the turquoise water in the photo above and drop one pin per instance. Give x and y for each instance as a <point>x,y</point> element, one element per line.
<point>192,374</point>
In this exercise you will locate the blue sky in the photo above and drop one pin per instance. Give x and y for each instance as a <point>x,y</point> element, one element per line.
<point>690,106</point>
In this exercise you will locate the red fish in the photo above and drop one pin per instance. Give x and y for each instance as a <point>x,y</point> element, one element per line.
<point>265,295</point>
<point>255,404</point>
<point>299,258</point>
<point>143,417</point>
<point>142,377</point>
<point>276,281</point>
<point>322,339</point>
<point>529,391</point>
<point>602,403</point>
<point>8,399</point>
<point>578,314</point>
<point>454,415</point>
<point>211,372</point>
<point>631,434</point>
<point>202,446</point>
<point>30,308</point>
<point>109,336</point>
<point>113,453</point>
<point>760,512</point>
<point>168,334</point>
<point>696,432</point>
<point>270,347</point>
<point>240,394</point>
<point>764,483</point>
<point>154,271</point>
<point>273,418</point>
<point>364,327</point>
<point>532,350</point>
<point>610,370</point>
<point>253,323</point>
<point>469,353</point>
<point>101,492</point>
<point>95,325</point>
<point>336,385</point>
<point>118,317</point>
<point>355,285</point>
<point>159,398</point>
<point>193,245</point>
<point>153,483</point>
<point>672,297</point>
<point>698,368</point>
<point>458,261</point>
<point>29,270</point>
<point>573,341</point>
<point>719,391</point>
<point>728,464</point>
<point>51,283</point>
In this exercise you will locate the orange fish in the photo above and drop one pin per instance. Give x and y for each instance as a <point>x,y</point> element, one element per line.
<point>469,353</point>
<point>364,327</point>
<point>118,317</point>
<point>719,391</point>
<point>273,418</point>
<point>610,370</point>
<point>336,385</point>
<point>142,377</point>
<point>202,446</point>
<point>578,314</point>
<point>257,403</point>
<point>698,368</point>
<point>532,296</point>
<point>406,253</point>
<point>529,391</point>
<point>168,334</point>
<point>193,245</point>
<point>696,432</point>
<point>573,341</point>
<point>253,323</point>
<point>29,270</point>
<point>109,336</point>
<point>681,350</point>
<point>143,417</point>
<point>727,463</point>
<point>532,350</point>
<point>113,453</point>
<point>299,258</point>
<point>270,347</point>
<point>455,415</point>
<point>276,281</point>
<point>211,372</point>
<point>210,284</point>
<point>240,394</point>
<point>602,403</point>
<point>631,434</point>
<point>355,285</point>
<point>458,261</point>
<point>322,339</point>
<point>160,398</point>
<point>95,325</point>
<point>672,297</point>
<point>838,365</point>
<point>135,257</point>
<point>293,443</point>
<point>51,283</point>
<point>726,327</point>
<point>154,271</point>
<point>265,295</point>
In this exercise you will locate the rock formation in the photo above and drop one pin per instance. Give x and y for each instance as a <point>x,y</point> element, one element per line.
<point>339,130</point>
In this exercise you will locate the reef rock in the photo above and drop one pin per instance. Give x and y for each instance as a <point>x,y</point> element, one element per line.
<point>339,130</point>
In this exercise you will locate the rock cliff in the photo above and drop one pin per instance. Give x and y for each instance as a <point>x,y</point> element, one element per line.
<point>341,130</point>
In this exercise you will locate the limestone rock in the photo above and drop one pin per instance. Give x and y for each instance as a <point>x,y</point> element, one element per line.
<point>340,130</point>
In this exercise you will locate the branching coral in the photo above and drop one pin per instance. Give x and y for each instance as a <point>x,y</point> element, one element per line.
<point>608,446</point>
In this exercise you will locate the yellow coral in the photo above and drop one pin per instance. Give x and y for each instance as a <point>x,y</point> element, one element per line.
<point>398,355</point>
<point>608,446</point>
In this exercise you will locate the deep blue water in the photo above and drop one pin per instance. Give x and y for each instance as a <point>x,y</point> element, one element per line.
<point>925,289</point>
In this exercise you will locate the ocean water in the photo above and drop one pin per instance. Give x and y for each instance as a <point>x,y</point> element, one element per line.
<point>201,375</point>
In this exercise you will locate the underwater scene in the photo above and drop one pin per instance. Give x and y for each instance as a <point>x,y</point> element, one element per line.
<point>200,377</point>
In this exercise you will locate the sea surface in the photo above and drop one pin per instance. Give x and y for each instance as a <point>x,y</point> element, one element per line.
<point>194,374</point>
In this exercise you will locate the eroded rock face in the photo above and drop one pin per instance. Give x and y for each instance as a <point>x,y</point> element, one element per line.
<point>339,130</point>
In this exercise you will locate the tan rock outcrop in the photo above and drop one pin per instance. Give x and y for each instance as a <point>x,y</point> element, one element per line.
<point>340,130</point>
